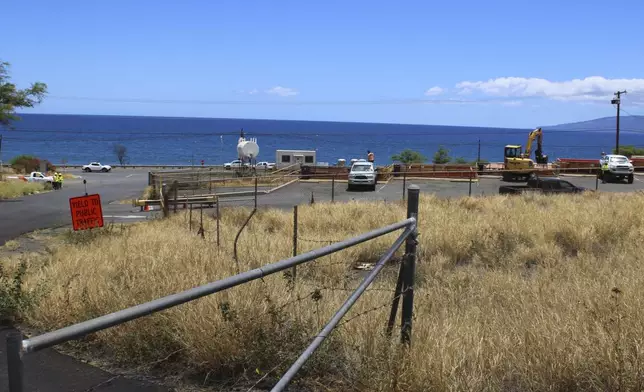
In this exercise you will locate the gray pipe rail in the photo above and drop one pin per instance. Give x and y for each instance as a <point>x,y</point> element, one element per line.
<point>326,331</point>
<point>17,347</point>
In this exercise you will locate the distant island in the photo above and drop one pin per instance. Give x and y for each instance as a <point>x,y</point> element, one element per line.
<point>626,123</point>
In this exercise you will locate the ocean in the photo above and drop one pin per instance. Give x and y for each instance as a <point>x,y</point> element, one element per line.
<point>80,139</point>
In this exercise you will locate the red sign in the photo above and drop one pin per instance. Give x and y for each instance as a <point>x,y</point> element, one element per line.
<point>86,212</point>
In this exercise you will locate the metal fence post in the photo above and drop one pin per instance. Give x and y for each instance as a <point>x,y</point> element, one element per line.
<point>175,185</point>
<point>190,218</point>
<point>409,267</point>
<point>404,182</point>
<point>295,229</point>
<point>14,362</point>
<point>597,181</point>
<point>333,189</point>
<point>255,191</point>
<point>470,192</point>
<point>218,218</point>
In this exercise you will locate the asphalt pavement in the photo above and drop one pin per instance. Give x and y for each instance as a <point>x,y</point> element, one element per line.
<point>51,209</point>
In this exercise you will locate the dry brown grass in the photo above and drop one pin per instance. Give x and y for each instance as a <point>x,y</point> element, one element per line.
<point>16,188</point>
<point>513,294</point>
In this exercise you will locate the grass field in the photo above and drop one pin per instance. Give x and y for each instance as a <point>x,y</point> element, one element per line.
<point>513,294</point>
<point>14,188</point>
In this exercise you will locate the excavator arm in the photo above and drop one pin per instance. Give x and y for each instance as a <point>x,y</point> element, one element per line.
<point>538,134</point>
<point>538,153</point>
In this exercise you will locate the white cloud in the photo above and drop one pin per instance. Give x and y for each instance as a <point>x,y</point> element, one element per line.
<point>592,88</point>
<point>253,91</point>
<point>512,103</point>
<point>282,91</point>
<point>435,91</point>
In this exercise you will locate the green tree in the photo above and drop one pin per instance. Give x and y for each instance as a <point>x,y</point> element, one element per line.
<point>629,151</point>
<point>12,98</point>
<point>408,156</point>
<point>441,156</point>
<point>460,160</point>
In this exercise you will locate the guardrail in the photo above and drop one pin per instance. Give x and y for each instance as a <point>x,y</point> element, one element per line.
<point>17,347</point>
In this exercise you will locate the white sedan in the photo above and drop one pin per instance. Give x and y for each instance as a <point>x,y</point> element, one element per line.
<point>96,166</point>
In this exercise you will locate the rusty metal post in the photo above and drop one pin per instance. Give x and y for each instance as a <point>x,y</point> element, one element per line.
<point>14,362</point>
<point>255,191</point>
<point>470,191</point>
<point>190,219</point>
<point>410,267</point>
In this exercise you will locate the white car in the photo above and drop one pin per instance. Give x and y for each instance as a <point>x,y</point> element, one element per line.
<point>96,166</point>
<point>234,164</point>
<point>619,168</point>
<point>265,165</point>
<point>363,173</point>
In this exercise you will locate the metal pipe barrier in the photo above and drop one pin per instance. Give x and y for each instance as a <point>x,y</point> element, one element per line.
<point>407,280</point>
<point>17,347</point>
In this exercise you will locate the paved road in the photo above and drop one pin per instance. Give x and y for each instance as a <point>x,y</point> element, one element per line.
<point>300,193</point>
<point>51,371</point>
<point>51,209</point>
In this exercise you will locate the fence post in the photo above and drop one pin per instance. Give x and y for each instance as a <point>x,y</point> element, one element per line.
<point>255,191</point>
<point>404,182</point>
<point>333,189</point>
<point>597,181</point>
<point>14,362</point>
<point>396,300</point>
<point>164,200</point>
<point>409,267</point>
<point>217,222</point>
<point>470,192</point>
<point>175,185</point>
<point>190,219</point>
<point>295,230</point>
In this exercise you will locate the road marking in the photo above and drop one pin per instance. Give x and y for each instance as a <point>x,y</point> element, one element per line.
<point>130,175</point>
<point>383,187</point>
<point>125,216</point>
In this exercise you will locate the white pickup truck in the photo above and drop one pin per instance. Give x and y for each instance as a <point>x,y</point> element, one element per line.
<point>39,177</point>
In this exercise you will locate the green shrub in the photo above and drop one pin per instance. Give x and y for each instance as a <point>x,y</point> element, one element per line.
<point>14,300</point>
<point>28,163</point>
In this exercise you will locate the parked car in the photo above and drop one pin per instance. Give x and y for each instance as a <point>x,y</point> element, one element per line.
<point>234,164</point>
<point>38,177</point>
<point>546,185</point>
<point>363,173</point>
<point>97,166</point>
<point>619,168</point>
<point>265,165</point>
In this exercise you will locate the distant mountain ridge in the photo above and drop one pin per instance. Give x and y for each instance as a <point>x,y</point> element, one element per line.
<point>626,123</point>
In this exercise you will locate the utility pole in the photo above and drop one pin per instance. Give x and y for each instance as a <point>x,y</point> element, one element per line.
<point>617,101</point>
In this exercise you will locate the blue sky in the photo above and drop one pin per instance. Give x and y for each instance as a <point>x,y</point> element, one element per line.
<point>490,63</point>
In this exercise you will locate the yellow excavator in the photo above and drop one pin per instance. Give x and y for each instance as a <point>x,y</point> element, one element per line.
<point>516,159</point>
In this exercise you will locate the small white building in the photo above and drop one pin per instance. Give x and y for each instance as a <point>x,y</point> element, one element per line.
<point>284,158</point>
